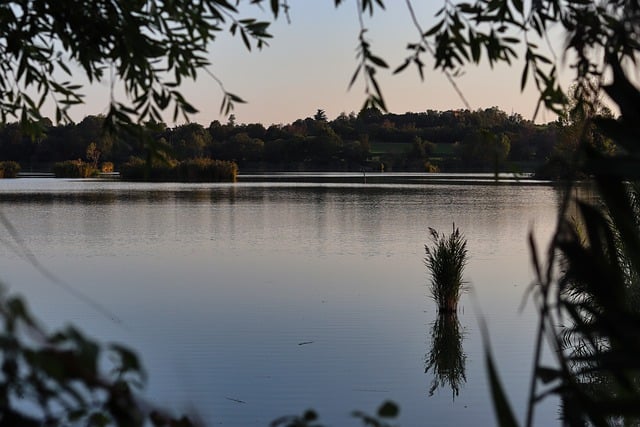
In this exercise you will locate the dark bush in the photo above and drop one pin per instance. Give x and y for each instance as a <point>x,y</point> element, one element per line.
<point>136,169</point>
<point>9,169</point>
<point>133,169</point>
<point>207,170</point>
<point>193,170</point>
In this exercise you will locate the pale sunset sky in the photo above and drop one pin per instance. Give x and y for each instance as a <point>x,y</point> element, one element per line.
<point>310,61</point>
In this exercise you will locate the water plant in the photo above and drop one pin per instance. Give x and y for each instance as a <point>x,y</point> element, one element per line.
<point>446,261</point>
<point>206,170</point>
<point>74,169</point>
<point>9,169</point>
<point>137,169</point>
<point>191,170</point>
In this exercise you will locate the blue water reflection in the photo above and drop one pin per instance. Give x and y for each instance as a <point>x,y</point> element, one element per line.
<point>218,285</point>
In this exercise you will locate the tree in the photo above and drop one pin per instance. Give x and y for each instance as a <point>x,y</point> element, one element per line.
<point>91,129</point>
<point>320,116</point>
<point>93,155</point>
<point>322,143</point>
<point>188,141</point>
<point>485,149</point>
<point>576,129</point>
<point>241,147</point>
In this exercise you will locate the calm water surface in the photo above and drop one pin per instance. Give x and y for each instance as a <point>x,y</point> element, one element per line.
<point>253,300</point>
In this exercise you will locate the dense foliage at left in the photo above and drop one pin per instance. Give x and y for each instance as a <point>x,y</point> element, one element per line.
<point>147,47</point>
<point>67,378</point>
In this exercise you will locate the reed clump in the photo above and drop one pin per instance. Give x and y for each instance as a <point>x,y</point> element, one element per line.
<point>9,169</point>
<point>446,260</point>
<point>74,169</point>
<point>192,170</point>
<point>207,170</point>
<point>137,169</point>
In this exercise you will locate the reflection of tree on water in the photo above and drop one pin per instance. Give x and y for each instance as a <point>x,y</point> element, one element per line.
<point>446,359</point>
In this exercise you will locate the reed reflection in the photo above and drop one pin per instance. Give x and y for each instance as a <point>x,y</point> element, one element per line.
<point>446,358</point>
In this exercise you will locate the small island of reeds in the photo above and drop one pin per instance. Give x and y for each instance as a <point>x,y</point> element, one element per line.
<point>9,169</point>
<point>191,170</point>
<point>446,261</point>
<point>74,169</point>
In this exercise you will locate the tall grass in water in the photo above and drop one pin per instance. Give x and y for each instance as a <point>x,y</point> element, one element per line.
<point>9,169</point>
<point>192,170</point>
<point>446,261</point>
<point>74,169</point>
<point>206,170</point>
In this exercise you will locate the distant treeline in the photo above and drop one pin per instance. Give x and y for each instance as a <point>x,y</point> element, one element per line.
<point>461,140</point>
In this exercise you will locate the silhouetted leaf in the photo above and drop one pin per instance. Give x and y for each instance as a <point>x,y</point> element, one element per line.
<point>378,61</point>
<point>402,66</point>
<point>501,405</point>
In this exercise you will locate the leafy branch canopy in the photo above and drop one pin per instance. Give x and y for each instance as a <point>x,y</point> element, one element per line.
<point>149,46</point>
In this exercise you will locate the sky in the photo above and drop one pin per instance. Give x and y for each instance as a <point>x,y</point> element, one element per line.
<point>309,63</point>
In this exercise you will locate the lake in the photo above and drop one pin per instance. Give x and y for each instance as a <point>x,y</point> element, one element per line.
<point>279,293</point>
